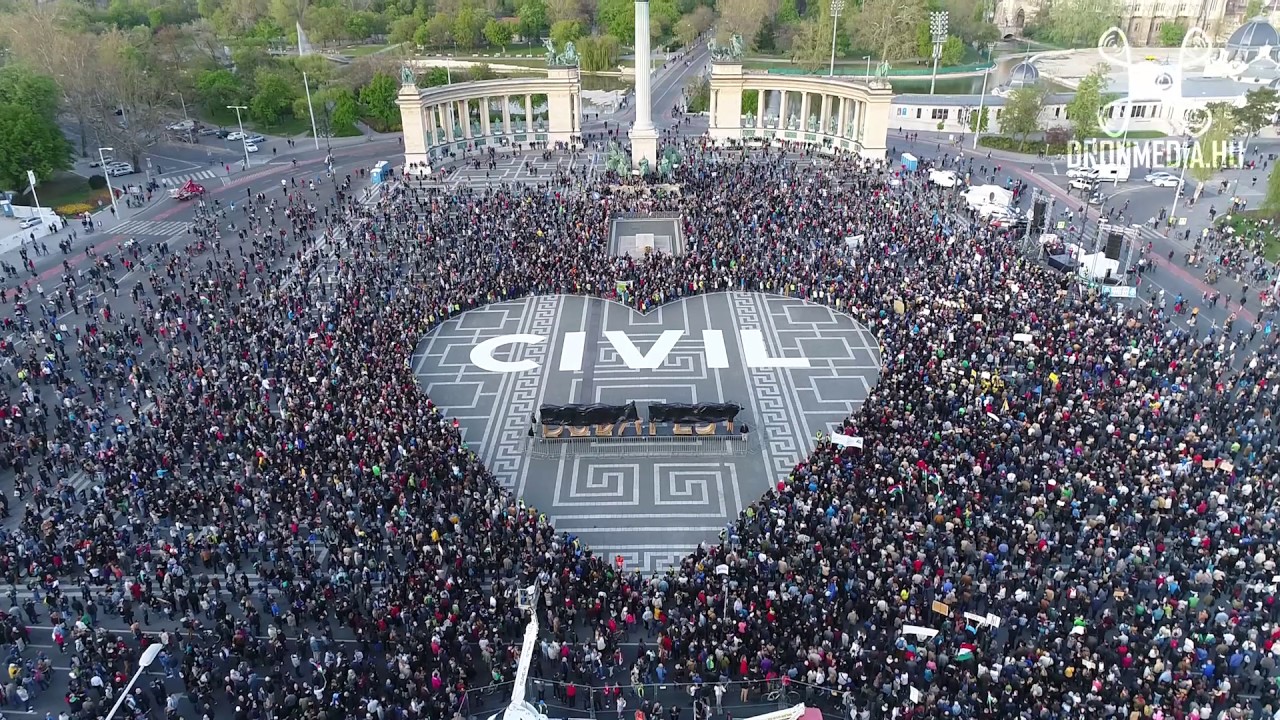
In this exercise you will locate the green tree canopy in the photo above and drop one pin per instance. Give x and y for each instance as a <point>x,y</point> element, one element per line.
<point>565,31</point>
<point>272,97</point>
<point>533,18</point>
<point>29,141</point>
<point>498,33</point>
<point>1021,114</point>
<point>1258,111</point>
<point>1091,96</point>
<point>379,99</point>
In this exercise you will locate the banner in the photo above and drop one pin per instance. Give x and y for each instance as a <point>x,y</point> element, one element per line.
<point>587,415</point>
<point>679,413</point>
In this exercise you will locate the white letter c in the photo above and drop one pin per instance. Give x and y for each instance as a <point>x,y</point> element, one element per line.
<point>482,354</point>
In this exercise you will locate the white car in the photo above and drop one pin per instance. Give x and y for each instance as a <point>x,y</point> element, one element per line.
<point>250,147</point>
<point>1082,183</point>
<point>1167,181</point>
<point>943,178</point>
<point>1082,172</point>
<point>29,222</point>
<point>118,169</point>
<point>108,160</point>
<point>254,139</point>
<point>1152,177</point>
<point>235,135</point>
<point>182,126</point>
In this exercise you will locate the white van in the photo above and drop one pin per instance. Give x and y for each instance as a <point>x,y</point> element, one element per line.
<point>1113,172</point>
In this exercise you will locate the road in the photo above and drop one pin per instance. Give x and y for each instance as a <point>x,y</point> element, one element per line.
<point>1144,202</point>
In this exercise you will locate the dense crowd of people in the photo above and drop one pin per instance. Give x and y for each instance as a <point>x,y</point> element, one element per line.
<point>1062,506</point>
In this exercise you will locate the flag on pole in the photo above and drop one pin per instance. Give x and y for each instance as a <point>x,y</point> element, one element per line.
<point>896,489</point>
<point>966,652</point>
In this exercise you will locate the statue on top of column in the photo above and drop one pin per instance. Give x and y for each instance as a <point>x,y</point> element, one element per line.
<point>407,76</point>
<point>568,58</point>
<point>726,53</point>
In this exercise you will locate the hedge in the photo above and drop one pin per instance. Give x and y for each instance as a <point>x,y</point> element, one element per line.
<point>73,209</point>
<point>1030,147</point>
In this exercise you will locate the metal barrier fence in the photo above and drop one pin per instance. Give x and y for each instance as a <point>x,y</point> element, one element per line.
<point>737,445</point>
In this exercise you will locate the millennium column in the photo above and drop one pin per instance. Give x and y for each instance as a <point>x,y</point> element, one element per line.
<point>644,136</point>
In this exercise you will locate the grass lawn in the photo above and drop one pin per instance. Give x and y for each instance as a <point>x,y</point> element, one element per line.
<point>69,188</point>
<point>1260,229</point>
<point>363,50</point>
<point>287,127</point>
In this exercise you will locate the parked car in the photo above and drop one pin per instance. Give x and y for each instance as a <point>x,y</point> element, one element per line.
<point>1082,172</point>
<point>29,222</point>
<point>222,134</point>
<point>1154,176</point>
<point>1167,181</point>
<point>255,139</point>
<point>182,126</point>
<point>1082,183</point>
<point>210,131</point>
<point>99,163</point>
<point>250,147</point>
<point>235,135</point>
<point>118,169</point>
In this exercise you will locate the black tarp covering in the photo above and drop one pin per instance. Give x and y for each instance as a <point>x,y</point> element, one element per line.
<point>688,414</point>
<point>586,415</point>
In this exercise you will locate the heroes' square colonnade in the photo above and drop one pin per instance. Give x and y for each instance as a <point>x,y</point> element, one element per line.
<point>832,114</point>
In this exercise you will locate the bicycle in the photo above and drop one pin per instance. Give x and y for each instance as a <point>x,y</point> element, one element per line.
<point>783,695</point>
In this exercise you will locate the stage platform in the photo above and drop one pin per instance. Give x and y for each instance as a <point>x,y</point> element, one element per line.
<point>794,367</point>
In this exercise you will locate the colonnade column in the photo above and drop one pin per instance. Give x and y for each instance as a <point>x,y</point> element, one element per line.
<point>845,108</point>
<point>528,114</point>
<point>464,114</point>
<point>506,114</point>
<point>449,127</point>
<point>824,114</point>
<point>804,111</point>
<point>484,117</point>
<point>430,124</point>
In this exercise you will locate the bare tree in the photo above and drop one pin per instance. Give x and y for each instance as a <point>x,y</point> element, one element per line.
<point>40,37</point>
<point>889,26</point>
<point>744,17</point>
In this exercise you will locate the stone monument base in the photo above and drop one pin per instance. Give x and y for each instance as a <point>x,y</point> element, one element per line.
<point>644,146</point>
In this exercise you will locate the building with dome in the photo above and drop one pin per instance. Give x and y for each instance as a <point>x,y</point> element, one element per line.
<point>1141,20</point>
<point>1024,74</point>
<point>1253,40</point>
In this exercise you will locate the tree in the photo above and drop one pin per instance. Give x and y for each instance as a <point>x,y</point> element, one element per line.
<point>403,28</point>
<point>497,33</point>
<point>1203,162</point>
<point>533,18</point>
<point>979,120</point>
<point>468,27</point>
<point>435,77</point>
<point>1076,23</point>
<point>481,71</point>
<point>693,24</point>
<point>1172,34</point>
<point>1253,9</point>
<point>599,52</point>
<point>29,140</point>
<point>219,88</point>
<point>745,18</point>
<point>21,86</point>
<point>272,97</point>
<point>565,31</point>
<point>617,17</point>
<point>969,22</point>
<point>952,47</point>
<point>436,32</point>
<point>1091,96</point>
<point>1021,115</point>
<point>887,26</point>
<point>379,99</point>
<point>1258,111</point>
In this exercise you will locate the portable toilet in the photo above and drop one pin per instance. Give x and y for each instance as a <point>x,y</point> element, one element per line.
<point>909,162</point>
<point>380,173</point>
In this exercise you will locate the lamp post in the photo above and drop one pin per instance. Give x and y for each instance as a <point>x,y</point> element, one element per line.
<point>240,124</point>
<point>982,103</point>
<point>144,662</point>
<point>311,110</point>
<point>868,59</point>
<point>1177,190</point>
<point>837,7</point>
<point>106,173</point>
<point>938,30</point>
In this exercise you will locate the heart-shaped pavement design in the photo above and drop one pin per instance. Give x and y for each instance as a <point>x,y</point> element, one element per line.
<point>794,367</point>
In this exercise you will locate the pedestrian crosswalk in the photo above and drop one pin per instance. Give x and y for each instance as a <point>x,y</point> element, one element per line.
<point>175,180</point>
<point>151,228</point>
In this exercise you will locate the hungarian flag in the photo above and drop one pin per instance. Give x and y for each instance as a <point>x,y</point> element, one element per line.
<point>895,489</point>
<point>966,652</point>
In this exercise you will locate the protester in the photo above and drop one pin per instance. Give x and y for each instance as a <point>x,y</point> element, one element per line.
<point>1078,499</point>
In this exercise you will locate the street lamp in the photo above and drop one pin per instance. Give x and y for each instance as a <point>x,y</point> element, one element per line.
<point>311,110</point>
<point>240,123</point>
<point>106,173</point>
<point>982,103</point>
<point>938,30</point>
<point>1177,190</point>
<point>868,59</point>
<point>837,7</point>
<point>144,662</point>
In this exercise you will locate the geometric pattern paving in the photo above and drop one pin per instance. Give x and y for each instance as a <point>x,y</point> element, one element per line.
<point>793,366</point>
